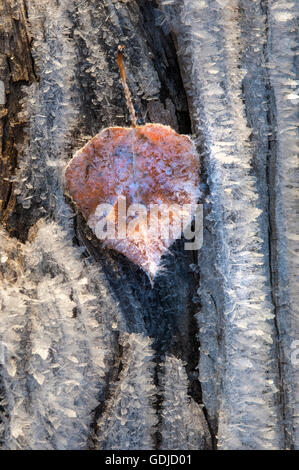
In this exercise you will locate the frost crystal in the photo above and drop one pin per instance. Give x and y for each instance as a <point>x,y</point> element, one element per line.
<point>183,423</point>
<point>129,418</point>
<point>56,345</point>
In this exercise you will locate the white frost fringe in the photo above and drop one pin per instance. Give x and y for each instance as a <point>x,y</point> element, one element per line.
<point>129,418</point>
<point>183,422</point>
<point>56,344</point>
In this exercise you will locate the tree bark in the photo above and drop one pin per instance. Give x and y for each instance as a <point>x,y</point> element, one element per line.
<point>92,357</point>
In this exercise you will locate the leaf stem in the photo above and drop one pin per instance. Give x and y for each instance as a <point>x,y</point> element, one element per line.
<point>125,86</point>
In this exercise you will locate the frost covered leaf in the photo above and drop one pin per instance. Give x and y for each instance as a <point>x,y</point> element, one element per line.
<point>143,166</point>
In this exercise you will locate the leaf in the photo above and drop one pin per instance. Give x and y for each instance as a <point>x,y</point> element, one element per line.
<point>133,181</point>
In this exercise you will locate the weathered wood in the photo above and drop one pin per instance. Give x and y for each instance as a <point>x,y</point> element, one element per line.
<point>16,71</point>
<point>91,356</point>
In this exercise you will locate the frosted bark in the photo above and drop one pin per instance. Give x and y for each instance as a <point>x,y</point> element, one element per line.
<point>129,419</point>
<point>90,356</point>
<point>183,420</point>
<point>283,37</point>
<point>50,108</point>
<point>81,332</point>
<point>222,47</point>
<point>57,344</point>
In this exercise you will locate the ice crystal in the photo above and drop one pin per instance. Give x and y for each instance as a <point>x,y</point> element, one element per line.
<point>56,344</point>
<point>129,418</point>
<point>183,422</point>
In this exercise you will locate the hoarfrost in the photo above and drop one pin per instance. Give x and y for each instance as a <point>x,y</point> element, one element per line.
<point>282,71</point>
<point>76,371</point>
<point>229,66</point>
<point>51,109</point>
<point>184,425</point>
<point>57,344</point>
<point>129,419</point>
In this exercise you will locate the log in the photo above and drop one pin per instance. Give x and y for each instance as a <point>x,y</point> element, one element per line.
<point>92,356</point>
